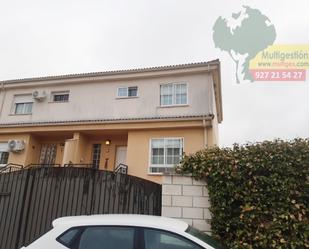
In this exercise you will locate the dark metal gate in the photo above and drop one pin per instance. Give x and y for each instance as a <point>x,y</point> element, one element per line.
<point>31,199</point>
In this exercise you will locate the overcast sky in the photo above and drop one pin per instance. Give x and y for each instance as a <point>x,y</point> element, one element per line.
<point>39,38</point>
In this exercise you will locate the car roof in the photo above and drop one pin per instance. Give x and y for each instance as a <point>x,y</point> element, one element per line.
<point>123,220</point>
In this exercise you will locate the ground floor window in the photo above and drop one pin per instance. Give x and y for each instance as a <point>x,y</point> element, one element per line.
<point>165,154</point>
<point>4,154</point>
<point>96,154</point>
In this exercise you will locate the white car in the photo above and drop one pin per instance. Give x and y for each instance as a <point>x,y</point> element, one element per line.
<point>122,232</point>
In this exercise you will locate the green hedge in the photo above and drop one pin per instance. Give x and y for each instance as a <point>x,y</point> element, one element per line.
<point>258,192</point>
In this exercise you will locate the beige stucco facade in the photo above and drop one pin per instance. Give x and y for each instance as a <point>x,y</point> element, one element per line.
<point>139,147</point>
<point>94,114</point>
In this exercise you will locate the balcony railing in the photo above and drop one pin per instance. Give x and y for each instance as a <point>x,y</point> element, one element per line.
<point>11,167</point>
<point>41,165</point>
<point>121,168</point>
<point>80,165</point>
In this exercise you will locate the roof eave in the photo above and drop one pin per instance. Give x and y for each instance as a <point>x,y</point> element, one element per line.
<point>119,73</point>
<point>109,121</point>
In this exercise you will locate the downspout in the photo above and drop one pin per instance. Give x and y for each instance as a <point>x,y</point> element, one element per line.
<point>210,89</point>
<point>2,102</point>
<point>205,133</point>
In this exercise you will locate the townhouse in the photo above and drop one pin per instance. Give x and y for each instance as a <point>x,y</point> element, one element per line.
<point>144,119</point>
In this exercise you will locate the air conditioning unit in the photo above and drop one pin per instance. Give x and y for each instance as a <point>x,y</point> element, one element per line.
<point>39,95</point>
<point>16,145</point>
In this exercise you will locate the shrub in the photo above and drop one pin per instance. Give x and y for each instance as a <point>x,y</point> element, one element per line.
<point>258,192</point>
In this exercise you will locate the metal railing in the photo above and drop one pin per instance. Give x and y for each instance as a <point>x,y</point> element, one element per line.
<point>42,165</point>
<point>10,168</point>
<point>121,168</point>
<point>78,165</point>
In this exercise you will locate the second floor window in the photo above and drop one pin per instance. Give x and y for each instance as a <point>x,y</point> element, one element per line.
<point>60,97</point>
<point>127,92</point>
<point>174,94</point>
<point>23,108</point>
<point>22,104</point>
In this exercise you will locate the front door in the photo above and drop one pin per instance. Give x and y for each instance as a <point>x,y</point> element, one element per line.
<point>48,154</point>
<point>121,155</point>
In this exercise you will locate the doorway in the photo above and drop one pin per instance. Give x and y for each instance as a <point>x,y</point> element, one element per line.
<point>121,155</point>
<point>48,154</point>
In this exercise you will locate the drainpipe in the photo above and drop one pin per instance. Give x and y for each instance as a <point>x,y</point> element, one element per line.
<point>2,102</point>
<point>205,133</point>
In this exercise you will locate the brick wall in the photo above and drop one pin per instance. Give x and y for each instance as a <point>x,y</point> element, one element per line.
<point>186,199</point>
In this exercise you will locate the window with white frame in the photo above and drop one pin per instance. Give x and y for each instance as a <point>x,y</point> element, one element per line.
<point>127,92</point>
<point>22,104</point>
<point>4,153</point>
<point>165,153</point>
<point>60,96</point>
<point>173,94</point>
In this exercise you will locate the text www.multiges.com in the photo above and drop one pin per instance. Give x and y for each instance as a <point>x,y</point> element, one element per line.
<point>283,64</point>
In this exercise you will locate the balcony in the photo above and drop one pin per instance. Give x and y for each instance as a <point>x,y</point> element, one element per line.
<point>92,149</point>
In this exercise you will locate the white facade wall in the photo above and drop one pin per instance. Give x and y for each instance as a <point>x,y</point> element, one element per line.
<point>98,100</point>
<point>186,199</point>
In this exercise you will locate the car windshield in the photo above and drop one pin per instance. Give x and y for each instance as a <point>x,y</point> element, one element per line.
<point>204,237</point>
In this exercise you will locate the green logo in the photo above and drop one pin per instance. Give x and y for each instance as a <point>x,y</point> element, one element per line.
<point>243,36</point>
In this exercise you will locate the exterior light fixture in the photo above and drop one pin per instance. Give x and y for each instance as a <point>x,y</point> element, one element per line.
<point>108,142</point>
